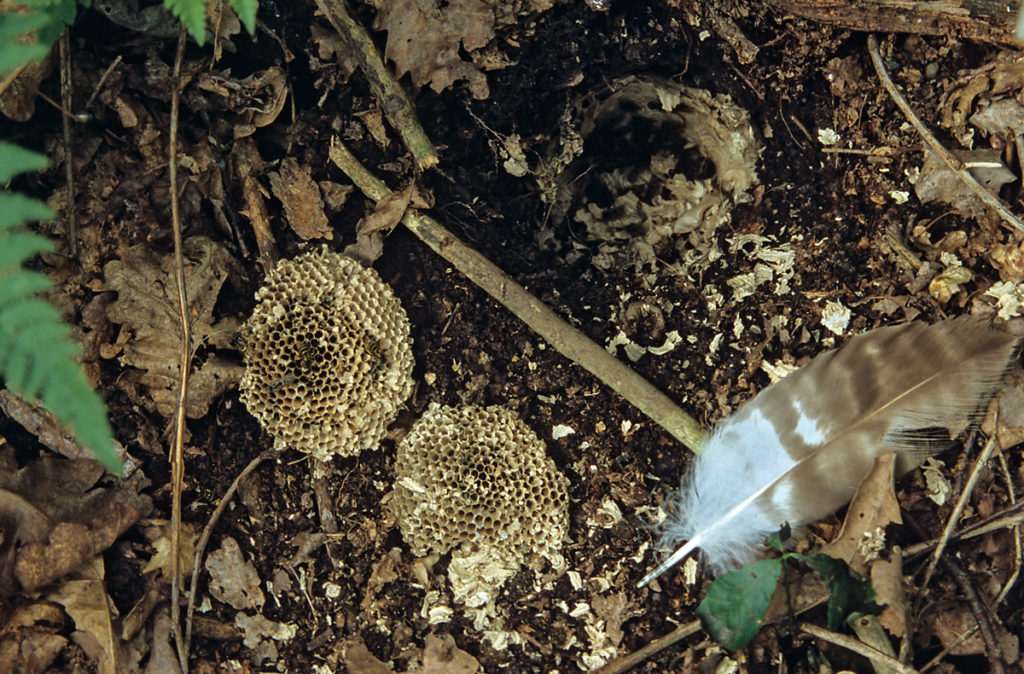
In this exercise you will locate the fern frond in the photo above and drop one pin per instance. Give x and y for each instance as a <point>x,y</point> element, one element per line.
<point>37,354</point>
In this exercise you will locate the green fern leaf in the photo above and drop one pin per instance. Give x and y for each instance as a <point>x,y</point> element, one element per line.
<point>246,11</point>
<point>193,14</point>
<point>17,208</point>
<point>17,159</point>
<point>16,286</point>
<point>37,354</point>
<point>13,27</point>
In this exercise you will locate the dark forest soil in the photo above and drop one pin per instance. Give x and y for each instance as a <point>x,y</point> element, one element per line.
<point>833,210</point>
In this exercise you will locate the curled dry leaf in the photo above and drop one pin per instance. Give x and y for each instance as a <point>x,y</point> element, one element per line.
<point>371,231</point>
<point>85,599</point>
<point>55,517</point>
<point>29,641</point>
<point>147,303</point>
<point>293,185</point>
<point>257,100</point>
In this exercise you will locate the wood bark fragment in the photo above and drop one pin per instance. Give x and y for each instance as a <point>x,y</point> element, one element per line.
<point>986,20</point>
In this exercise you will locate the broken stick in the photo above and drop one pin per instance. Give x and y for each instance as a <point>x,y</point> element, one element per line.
<point>566,339</point>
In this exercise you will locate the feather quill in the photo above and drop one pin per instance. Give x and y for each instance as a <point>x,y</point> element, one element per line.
<point>798,450</point>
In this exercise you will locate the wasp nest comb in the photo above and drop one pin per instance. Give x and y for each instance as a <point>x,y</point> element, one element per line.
<point>478,475</point>
<point>328,355</point>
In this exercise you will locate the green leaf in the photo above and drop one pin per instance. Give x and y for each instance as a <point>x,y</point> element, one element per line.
<point>246,11</point>
<point>193,14</point>
<point>14,53</point>
<point>16,288</point>
<point>17,159</point>
<point>848,591</point>
<point>18,246</point>
<point>16,209</point>
<point>737,602</point>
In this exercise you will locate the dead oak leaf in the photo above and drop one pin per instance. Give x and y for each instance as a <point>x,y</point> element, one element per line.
<point>424,40</point>
<point>147,303</point>
<point>233,579</point>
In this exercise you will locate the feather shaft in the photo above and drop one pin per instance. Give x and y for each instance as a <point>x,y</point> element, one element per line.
<point>798,450</point>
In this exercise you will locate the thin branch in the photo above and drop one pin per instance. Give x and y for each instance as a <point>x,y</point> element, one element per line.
<point>204,539</point>
<point>388,91</point>
<point>566,339</point>
<point>69,163</point>
<point>857,647</point>
<point>954,517</point>
<point>934,145</point>
<point>177,447</point>
<point>635,658</point>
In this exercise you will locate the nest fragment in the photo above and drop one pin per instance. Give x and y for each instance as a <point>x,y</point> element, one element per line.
<point>650,165</point>
<point>479,476</point>
<point>328,355</point>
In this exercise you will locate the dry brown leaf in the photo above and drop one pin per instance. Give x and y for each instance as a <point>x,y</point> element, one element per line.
<point>162,658</point>
<point>442,656</point>
<point>261,633</point>
<point>41,423</point>
<point>335,194</point>
<point>257,100</point>
<point>874,507</point>
<point>887,582</point>
<point>159,535</point>
<point>70,543</point>
<point>147,302</point>
<point>359,659</point>
<point>951,622</point>
<point>245,158</point>
<point>424,40</point>
<point>19,89</point>
<point>86,601</point>
<point>303,208</point>
<point>54,492</point>
<point>938,182</point>
<point>370,233</point>
<point>233,579</point>
<point>29,642</point>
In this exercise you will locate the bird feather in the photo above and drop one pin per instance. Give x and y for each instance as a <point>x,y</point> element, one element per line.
<point>798,450</point>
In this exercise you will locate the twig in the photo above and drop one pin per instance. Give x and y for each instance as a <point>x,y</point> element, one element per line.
<point>389,92</point>
<point>1016,532</point>
<point>934,145</point>
<point>635,658</point>
<point>857,647</point>
<point>954,517</point>
<point>978,608</point>
<point>982,614</point>
<point>103,80</point>
<point>204,539</point>
<point>1010,517</point>
<point>176,458</point>
<point>566,339</point>
<point>69,163</point>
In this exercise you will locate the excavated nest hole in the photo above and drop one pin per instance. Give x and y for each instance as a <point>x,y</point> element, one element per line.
<point>650,165</point>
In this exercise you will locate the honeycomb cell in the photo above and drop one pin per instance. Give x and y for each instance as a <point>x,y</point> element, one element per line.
<point>328,355</point>
<point>478,475</point>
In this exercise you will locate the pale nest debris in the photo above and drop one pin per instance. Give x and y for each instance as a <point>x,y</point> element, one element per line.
<point>479,475</point>
<point>328,355</point>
